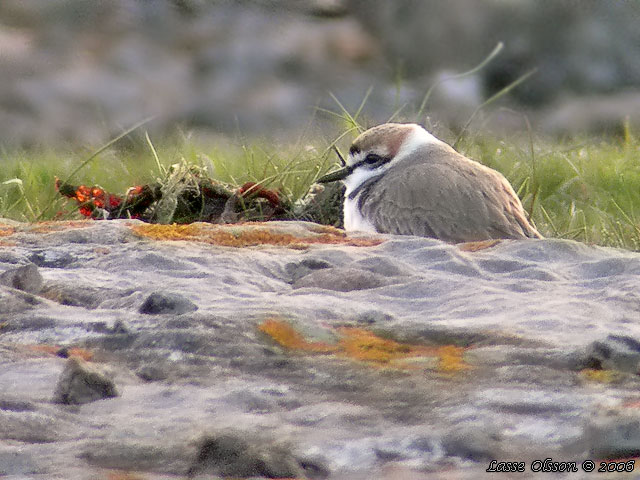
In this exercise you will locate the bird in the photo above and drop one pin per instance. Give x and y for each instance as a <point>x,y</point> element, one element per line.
<point>401,179</point>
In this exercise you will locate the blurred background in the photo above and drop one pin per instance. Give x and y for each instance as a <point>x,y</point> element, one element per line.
<point>82,71</point>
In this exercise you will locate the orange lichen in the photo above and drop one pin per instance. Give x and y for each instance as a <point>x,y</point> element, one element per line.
<point>451,359</point>
<point>365,346</point>
<point>6,231</point>
<point>56,349</point>
<point>243,236</point>
<point>288,337</point>
<point>476,246</point>
<point>361,344</point>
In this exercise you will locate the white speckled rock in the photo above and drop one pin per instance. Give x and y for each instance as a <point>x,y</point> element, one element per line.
<point>545,333</point>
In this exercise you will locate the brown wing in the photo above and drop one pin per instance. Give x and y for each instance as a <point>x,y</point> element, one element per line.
<point>451,198</point>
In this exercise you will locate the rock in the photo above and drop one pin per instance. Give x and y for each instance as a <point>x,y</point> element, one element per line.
<point>592,114</point>
<point>341,279</point>
<point>612,433</point>
<point>439,361</point>
<point>26,278</point>
<point>81,383</point>
<point>221,57</point>
<point>616,352</point>
<point>13,302</point>
<point>305,267</point>
<point>241,456</point>
<point>48,259</point>
<point>69,294</point>
<point>167,303</point>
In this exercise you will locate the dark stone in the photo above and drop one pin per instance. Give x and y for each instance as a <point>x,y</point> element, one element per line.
<point>153,372</point>
<point>50,259</point>
<point>616,352</point>
<point>73,296</point>
<point>26,278</point>
<point>161,303</point>
<point>231,455</point>
<point>119,326</point>
<point>81,383</point>
<point>614,436</point>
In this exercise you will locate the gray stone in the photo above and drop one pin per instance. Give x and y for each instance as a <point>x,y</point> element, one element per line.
<point>26,278</point>
<point>616,352</point>
<point>237,455</point>
<point>341,279</point>
<point>167,303</point>
<point>613,434</point>
<point>82,383</point>
<point>300,269</point>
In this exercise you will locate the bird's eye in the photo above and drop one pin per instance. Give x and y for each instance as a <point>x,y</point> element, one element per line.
<point>372,159</point>
<point>354,150</point>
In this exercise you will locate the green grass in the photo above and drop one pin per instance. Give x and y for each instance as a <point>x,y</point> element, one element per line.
<point>587,191</point>
<point>583,190</point>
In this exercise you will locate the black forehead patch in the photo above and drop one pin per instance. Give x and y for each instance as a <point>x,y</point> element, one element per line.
<point>354,150</point>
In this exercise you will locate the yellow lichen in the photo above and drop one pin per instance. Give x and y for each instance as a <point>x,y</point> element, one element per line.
<point>365,346</point>
<point>247,236</point>
<point>288,337</point>
<point>451,359</point>
<point>600,376</point>
<point>361,344</point>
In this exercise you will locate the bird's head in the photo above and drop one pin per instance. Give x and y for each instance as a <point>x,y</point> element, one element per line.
<point>378,149</point>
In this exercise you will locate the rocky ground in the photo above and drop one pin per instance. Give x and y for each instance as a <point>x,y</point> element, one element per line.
<point>290,350</point>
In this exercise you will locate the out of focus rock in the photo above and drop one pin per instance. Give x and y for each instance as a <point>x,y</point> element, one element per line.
<point>26,278</point>
<point>82,383</point>
<point>162,302</point>
<point>80,72</point>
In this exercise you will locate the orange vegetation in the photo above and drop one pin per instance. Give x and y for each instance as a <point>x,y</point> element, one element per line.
<point>245,235</point>
<point>365,346</point>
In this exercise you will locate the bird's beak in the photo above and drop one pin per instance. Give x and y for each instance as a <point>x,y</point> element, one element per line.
<point>341,174</point>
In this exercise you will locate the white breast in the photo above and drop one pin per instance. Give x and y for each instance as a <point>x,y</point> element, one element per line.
<point>353,219</point>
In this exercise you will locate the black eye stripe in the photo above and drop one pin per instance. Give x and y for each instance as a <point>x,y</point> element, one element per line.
<point>373,160</point>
